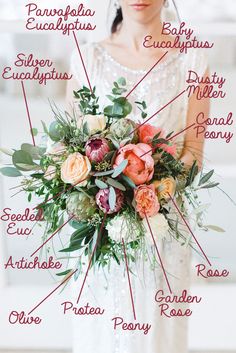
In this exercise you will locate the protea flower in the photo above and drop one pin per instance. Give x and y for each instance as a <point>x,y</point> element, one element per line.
<point>96,148</point>
<point>80,206</point>
<point>102,200</point>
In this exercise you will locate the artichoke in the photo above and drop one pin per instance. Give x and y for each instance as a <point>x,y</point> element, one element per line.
<point>81,206</point>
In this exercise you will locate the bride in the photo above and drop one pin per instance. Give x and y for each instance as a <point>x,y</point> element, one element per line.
<point>123,55</point>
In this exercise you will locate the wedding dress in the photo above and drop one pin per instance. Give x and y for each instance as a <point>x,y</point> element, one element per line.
<point>109,290</point>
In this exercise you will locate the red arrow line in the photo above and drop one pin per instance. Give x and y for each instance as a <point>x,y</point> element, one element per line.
<point>51,236</point>
<point>82,60</point>
<point>190,230</point>
<point>90,261</point>
<point>170,138</point>
<point>166,105</point>
<point>28,113</point>
<point>65,280</point>
<point>130,287</point>
<point>158,254</point>
<point>147,74</point>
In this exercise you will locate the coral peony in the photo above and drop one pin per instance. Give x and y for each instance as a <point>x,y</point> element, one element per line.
<point>140,166</point>
<point>147,132</point>
<point>96,148</point>
<point>146,201</point>
<point>102,200</point>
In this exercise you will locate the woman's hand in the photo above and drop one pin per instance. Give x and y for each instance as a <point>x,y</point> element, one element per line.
<point>193,147</point>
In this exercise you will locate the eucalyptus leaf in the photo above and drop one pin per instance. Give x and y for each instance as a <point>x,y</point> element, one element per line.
<point>10,172</point>
<point>64,273</point>
<point>128,181</point>
<point>127,109</point>
<point>45,129</point>
<point>6,151</point>
<point>108,172</point>
<point>100,184</point>
<point>34,131</point>
<point>112,198</point>
<point>27,167</point>
<point>206,177</point>
<point>116,184</point>
<point>210,186</point>
<point>56,132</point>
<point>119,169</point>
<point>34,151</point>
<point>121,81</point>
<point>85,128</point>
<point>215,228</point>
<point>22,160</point>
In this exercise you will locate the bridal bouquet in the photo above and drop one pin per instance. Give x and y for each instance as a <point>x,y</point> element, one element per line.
<point>112,177</point>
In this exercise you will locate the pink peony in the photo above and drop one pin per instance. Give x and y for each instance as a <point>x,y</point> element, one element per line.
<point>140,166</point>
<point>96,148</point>
<point>102,200</point>
<point>146,201</point>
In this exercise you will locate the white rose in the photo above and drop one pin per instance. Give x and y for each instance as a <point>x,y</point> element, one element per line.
<point>121,227</point>
<point>50,173</point>
<point>56,148</point>
<point>158,225</point>
<point>95,123</point>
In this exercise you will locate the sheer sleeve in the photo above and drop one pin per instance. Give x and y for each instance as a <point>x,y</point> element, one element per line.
<point>198,61</point>
<point>77,70</point>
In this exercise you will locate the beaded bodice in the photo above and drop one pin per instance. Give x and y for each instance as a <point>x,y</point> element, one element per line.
<point>161,85</point>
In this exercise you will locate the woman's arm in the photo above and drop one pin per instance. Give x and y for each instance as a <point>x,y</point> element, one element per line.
<point>193,146</point>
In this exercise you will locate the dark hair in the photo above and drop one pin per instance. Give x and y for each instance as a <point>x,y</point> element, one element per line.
<point>117,20</point>
<point>119,17</point>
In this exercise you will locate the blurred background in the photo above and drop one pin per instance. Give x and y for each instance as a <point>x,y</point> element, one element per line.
<point>212,325</point>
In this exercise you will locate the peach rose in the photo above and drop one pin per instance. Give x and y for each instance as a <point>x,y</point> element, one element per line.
<point>140,166</point>
<point>147,132</point>
<point>95,123</point>
<point>164,187</point>
<point>75,169</point>
<point>146,201</point>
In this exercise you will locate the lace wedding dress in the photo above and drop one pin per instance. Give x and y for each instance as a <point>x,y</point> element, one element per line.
<point>109,290</point>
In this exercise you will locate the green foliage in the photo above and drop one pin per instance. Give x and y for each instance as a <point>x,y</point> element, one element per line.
<point>120,107</point>
<point>23,161</point>
<point>10,172</point>
<point>119,169</point>
<point>142,106</point>
<point>88,102</point>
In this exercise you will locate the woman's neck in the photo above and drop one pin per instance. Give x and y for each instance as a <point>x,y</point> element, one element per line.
<point>133,33</point>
